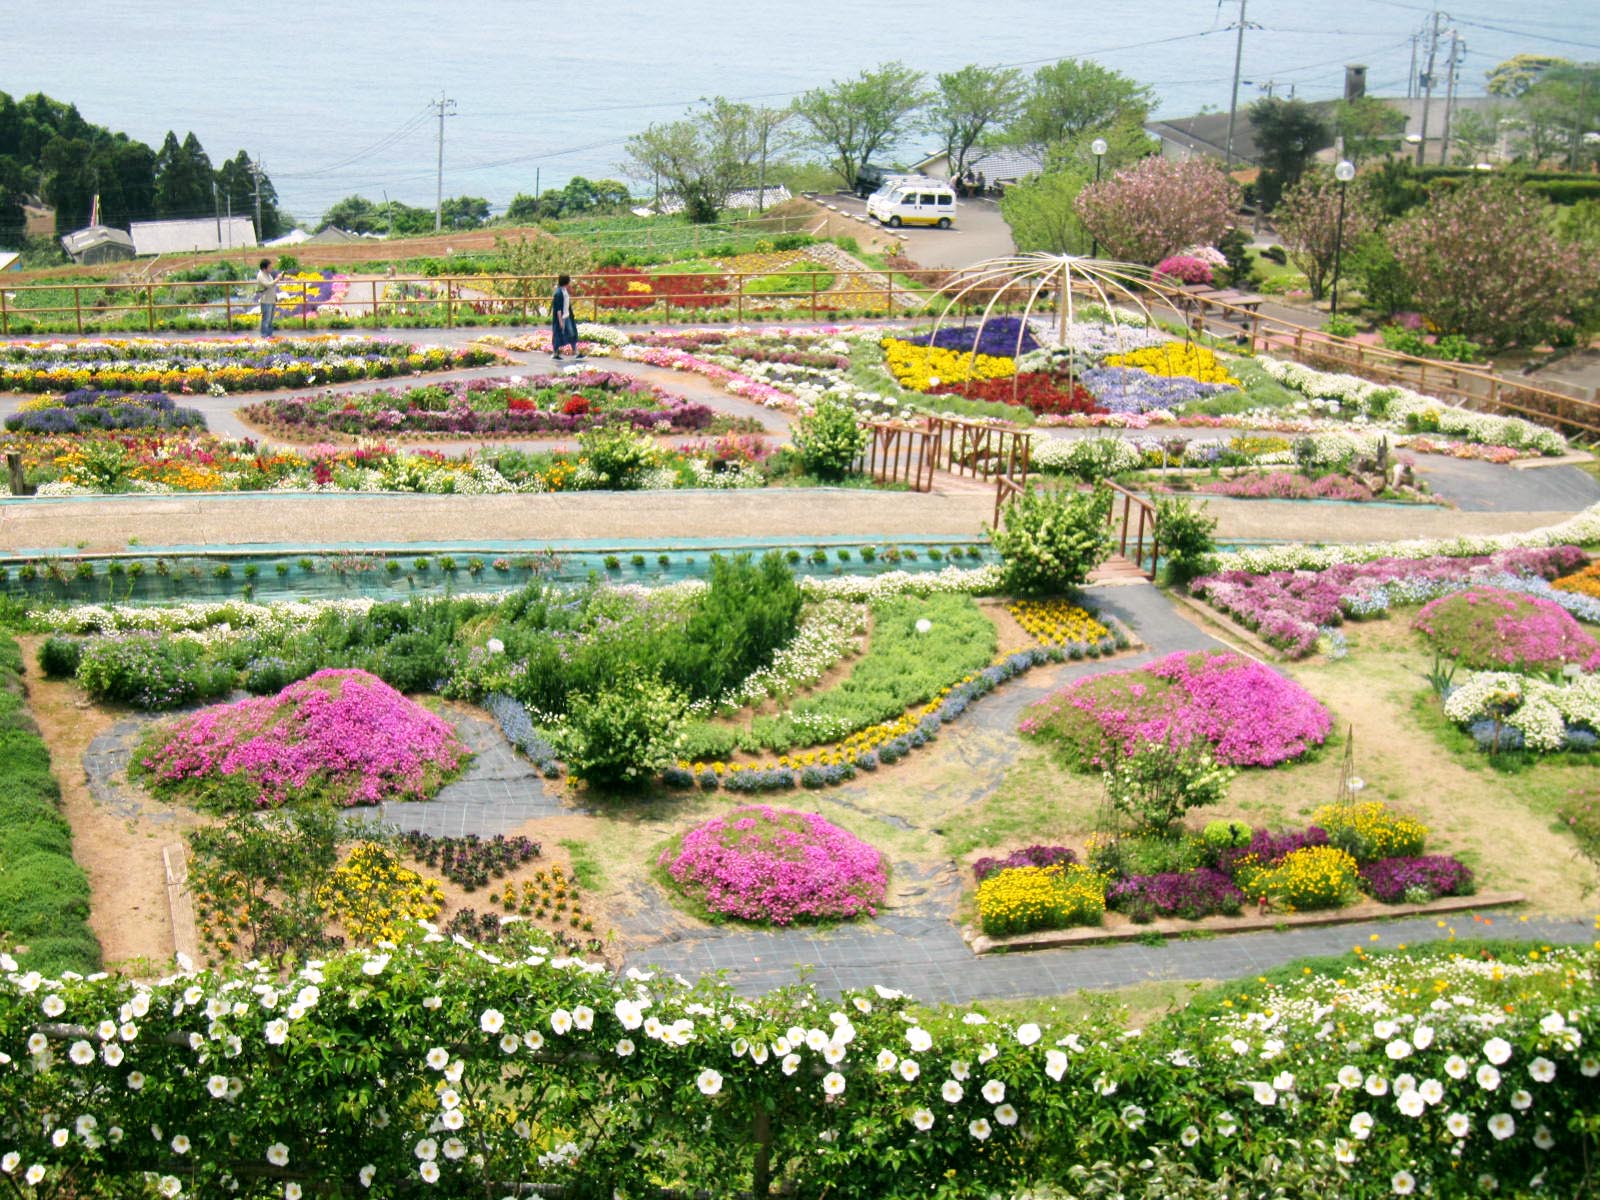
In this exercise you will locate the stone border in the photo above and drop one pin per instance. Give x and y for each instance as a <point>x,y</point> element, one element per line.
<point>1228,625</point>
<point>1051,939</point>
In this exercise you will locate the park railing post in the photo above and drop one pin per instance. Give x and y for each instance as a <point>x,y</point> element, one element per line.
<point>77,306</point>
<point>19,481</point>
<point>150,306</point>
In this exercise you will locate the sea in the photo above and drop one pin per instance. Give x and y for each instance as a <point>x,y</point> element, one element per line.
<point>342,99</point>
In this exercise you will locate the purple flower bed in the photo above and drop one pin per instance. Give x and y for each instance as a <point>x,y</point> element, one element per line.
<point>1028,856</point>
<point>1130,390</point>
<point>1187,894</point>
<point>1269,848</point>
<point>997,336</point>
<point>341,735</point>
<point>776,867</point>
<point>1287,608</point>
<point>1389,879</point>
<point>90,408</point>
<point>1250,714</point>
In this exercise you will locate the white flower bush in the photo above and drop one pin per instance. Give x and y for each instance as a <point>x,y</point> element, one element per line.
<point>828,632</point>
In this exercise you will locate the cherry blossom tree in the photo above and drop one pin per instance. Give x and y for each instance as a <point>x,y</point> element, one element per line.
<point>1487,263</point>
<point>1157,207</point>
<point>1308,221</point>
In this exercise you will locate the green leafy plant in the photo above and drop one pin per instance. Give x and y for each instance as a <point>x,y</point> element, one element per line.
<point>1156,782</point>
<point>829,440</point>
<point>1050,541</point>
<point>1185,534</point>
<point>623,735</point>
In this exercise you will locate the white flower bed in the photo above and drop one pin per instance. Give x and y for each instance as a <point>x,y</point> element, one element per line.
<point>1538,709</point>
<point>1352,392</point>
<point>826,635</point>
<point>1580,530</point>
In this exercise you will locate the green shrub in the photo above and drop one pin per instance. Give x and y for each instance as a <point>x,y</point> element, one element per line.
<point>623,735</point>
<point>59,656</point>
<point>1051,541</point>
<point>1221,835</point>
<point>829,440</point>
<point>150,671</point>
<point>1155,783</point>
<point>618,457</point>
<point>1185,534</point>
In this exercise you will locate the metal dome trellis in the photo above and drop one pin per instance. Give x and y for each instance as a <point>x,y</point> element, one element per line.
<point>1041,274</point>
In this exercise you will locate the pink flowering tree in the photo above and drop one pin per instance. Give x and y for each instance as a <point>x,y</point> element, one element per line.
<point>1487,264</point>
<point>1157,207</point>
<point>1308,221</point>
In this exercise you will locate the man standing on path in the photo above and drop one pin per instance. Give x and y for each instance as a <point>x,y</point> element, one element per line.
<point>267,294</point>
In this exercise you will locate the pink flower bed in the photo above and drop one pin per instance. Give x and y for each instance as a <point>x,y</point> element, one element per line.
<point>776,866</point>
<point>736,382</point>
<point>342,735</point>
<point>1493,629</point>
<point>1249,713</point>
<point>1287,608</point>
<point>1286,485</point>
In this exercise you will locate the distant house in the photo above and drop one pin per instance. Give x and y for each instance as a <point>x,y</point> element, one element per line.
<point>739,199</point>
<point>201,233</point>
<point>98,244</point>
<point>293,238</point>
<point>10,260</point>
<point>998,166</point>
<point>332,235</point>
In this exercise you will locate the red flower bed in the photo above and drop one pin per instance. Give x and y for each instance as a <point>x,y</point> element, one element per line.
<point>1040,393</point>
<point>629,287</point>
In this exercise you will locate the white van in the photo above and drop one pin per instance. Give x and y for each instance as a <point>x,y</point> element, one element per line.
<point>913,200</point>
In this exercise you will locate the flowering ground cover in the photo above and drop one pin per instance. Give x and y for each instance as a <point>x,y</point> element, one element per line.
<point>1283,485</point>
<point>1252,715</point>
<point>777,867</point>
<point>516,406</point>
<point>922,368</point>
<point>219,365</point>
<point>88,408</point>
<point>1489,628</point>
<point>1584,582</point>
<point>997,337</point>
<point>1057,622</point>
<point>1505,710</point>
<point>1288,608</point>
<point>342,736</point>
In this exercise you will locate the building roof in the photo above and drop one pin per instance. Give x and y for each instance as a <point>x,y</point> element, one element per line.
<point>80,240</point>
<point>9,259</point>
<point>293,238</point>
<point>200,233</point>
<point>1008,165</point>
<point>332,234</point>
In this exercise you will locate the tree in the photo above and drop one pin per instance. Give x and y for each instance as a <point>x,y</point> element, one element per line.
<point>1564,103</point>
<point>183,178</point>
<point>236,179</point>
<point>1288,134</point>
<point>355,213</point>
<point>1307,218</point>
<point>523,209</point>
<point>464,212</point>
<point>1488,265</point>
<point>1475,134</point>
<point>1158,207</point>
<point>1075,97</point>
<point>1518,73</point>
<point>852,119</point>
<point>1042,215</point>
<point>699,159</point>
<point>1368,128</point>
<point>968,104</point>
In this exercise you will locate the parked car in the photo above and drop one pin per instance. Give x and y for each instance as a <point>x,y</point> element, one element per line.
<point>913,200</point>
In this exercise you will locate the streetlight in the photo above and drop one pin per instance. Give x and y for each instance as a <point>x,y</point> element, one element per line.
<point>1344,172</point>
<point>1099,147</point>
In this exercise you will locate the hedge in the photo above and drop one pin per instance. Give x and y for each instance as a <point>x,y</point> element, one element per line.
<point>44,894</point>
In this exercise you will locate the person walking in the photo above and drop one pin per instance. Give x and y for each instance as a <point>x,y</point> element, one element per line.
<point>267,295</point>
<point>563,325</point>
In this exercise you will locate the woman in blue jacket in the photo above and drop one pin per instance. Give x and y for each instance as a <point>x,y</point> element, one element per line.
<point>563,325</point>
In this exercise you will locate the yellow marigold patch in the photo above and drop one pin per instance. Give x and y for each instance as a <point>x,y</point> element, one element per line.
<point>1019,899</point>
<point>922,367</point>
<point>1056,622</point>
<point>1585,582</point>
<point>1370,831</point>
<point>376,899</point>
<point>1175,359</point>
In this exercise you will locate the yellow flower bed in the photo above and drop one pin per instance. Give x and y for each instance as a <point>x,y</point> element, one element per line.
<point>1585,582</point>
<point>1255,447</point>
<point>376,899</point>
<point>922,367</point>
<point>1020,899</point>
<point>1175,359</point>
<point>1370,831</point>
<point>1312,877</point>
<point>1057,623</point>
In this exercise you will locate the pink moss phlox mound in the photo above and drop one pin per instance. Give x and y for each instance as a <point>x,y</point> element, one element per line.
<point>342,735</point>
<point>1493,629</point>
<point>776,866</point>
<point>1251,715</point>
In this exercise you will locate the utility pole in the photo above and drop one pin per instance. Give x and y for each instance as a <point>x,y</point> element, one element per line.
<point>446,107</point>
<point>1411,78</point>
<point>1238,57</point>
<point>255,174</point>
<point>1427,84</point>
<point>216,211</point>
<point>1458,49</point>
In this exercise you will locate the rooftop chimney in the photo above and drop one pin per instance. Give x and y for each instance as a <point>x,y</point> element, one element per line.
<point>1355,82</point>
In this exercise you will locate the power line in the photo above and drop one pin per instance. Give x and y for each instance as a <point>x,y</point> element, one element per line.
<point>383,143</point>
<point>446,108</point>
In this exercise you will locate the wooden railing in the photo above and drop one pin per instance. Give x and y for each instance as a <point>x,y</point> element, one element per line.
<point>1133,528</point>
<point>450,300</point>
<point>899,453</point>
<point>1468,385</point>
